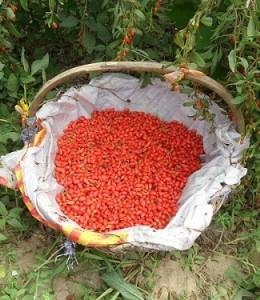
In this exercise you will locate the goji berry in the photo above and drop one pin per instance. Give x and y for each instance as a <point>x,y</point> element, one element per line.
<point>121,169</point>
<point>55,25</point>
<point>127,40</point>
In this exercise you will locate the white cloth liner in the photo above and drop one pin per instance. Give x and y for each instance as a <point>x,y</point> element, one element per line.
<point>223,152</point>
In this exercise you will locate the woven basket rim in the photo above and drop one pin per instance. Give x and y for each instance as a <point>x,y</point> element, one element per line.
<point>139,66</point>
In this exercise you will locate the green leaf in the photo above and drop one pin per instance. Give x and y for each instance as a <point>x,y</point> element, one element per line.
<point>26,78</point>
<point>60,268</point>
<point>186,91</point>
<point>190,43</point>
<point>11,28</point>
<point>239,99</point>
<point>231,273</point>
<point>236,2</point>
<point>12,85</point>
<point>91,24</point>
<point>197,59</point>
<point>239,89</point>
<point>128,291</point>
<point>256,279</point>
<point>232,59</point>
<point>89,42</point>
<point>103,33</point>
<point>3,210</point>
<point>207,21</point>
<point>242,293</point>
<point>14,136</point>
<point>239,82</point>
<point>21,292</point>
<point>52,4</point>
<point>6,43</point>
<point>144,3</point>
<point>145,79</point>
<point>1,75</point>
<point>2,223</point>
<point>139,14</point>
<point>152,54</point>
<point>192,66</point>
<point>244,62</point>
<point>203,38</point>
<point>15,223</point>
<point>179,39</point>
<point>12,292</point>
<point>36,67</point>
<point>256,84</point>
<point>50,95</point>
<point>15,212</point>
<point>1,66</point>
<point>5,297</point>
<point>39,65</point>
<point>251,31</point>
<point>24,61</point>
<point>103,18</point>
<point>2,238</point>
<point>26,297</point>
<point>24,4</point>
<point>69,22</point>
<point>10,15</point>
<point>188,104</point>
<point>92,256</point>
<point>115,44</point>
<point>101,47</point>
<point>45,61</point>
<point>151,41</point>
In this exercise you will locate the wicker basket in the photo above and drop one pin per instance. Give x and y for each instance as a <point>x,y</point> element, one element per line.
<point>155,68</point>
<point>108,240</point>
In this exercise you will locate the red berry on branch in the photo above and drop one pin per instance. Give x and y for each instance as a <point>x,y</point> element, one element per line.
<point>131,32</point>
<point>127,40</point>
<point>55,25</point>
<point>233,39</point>
<point>241,70</point>
<point>198,104</point>
<point>122,54</point>
<point>14,9</point>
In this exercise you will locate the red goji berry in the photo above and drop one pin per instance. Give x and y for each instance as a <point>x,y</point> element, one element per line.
<point>120,169</point>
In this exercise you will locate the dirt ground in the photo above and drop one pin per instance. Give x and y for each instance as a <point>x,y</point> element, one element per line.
<point>170,280</point>
<point>200,283</point>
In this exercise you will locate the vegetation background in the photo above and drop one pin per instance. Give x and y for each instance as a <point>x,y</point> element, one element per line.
<point>40,39</point>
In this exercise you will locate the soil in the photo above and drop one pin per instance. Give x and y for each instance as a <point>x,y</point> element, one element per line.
<point>170,280</point>
<point>174,282</point>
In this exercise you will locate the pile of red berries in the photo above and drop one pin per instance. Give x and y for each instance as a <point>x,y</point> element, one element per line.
<point>122,168</point>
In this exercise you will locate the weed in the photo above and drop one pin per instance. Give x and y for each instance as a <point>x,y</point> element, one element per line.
<point>10,217</point>
<point>190,258</point>
<point>224,220</point>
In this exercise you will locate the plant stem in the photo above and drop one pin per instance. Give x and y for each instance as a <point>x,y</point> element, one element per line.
<point>36,288</point>
<point>55,253</point>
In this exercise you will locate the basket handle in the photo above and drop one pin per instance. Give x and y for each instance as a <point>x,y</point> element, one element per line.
<point>192,75</point>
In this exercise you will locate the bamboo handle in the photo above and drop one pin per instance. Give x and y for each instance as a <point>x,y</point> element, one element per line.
<point>129,66</point>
